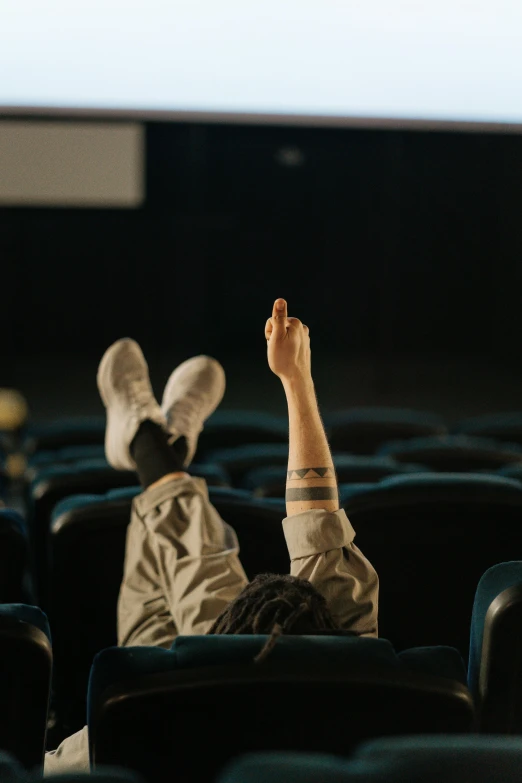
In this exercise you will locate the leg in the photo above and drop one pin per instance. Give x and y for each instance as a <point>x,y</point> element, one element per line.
<point>181,565</point>
<point>143,616</point>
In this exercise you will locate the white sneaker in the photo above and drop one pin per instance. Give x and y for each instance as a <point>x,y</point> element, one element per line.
<point>124,386</point>
<point>193,392</point>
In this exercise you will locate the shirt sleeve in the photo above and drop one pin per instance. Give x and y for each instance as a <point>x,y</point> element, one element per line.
<point>321,548</point>
<point>72,755</point>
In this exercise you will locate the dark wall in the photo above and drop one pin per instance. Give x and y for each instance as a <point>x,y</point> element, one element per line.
<point>402,241</point>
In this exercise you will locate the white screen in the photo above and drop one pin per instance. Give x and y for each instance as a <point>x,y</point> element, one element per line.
<point>431,60</point>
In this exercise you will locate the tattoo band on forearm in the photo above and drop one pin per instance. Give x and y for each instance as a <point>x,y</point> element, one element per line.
<point>311,493</point>
<point>302,473</point>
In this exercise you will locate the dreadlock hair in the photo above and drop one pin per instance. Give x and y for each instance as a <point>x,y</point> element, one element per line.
<point>275,604</point>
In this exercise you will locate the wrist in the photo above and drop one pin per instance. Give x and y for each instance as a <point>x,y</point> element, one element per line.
<point>298,383</point>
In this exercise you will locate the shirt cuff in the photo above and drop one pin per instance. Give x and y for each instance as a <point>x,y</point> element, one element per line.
<point>316,531</point>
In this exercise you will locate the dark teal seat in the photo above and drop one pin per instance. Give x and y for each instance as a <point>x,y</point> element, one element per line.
<point>431,537</point>
<point>319,693</point>
<point>230,428</point>
<point>427,759</point>
<point>25,682</point>
<point>495,656</point>
<point>363,430</point>
<point>454,453</point>
<point>514,471</point>
<point>14,556</point>
<point>238,461</point>
<point>505,426</point>
<point>87,547</point>
<point>11,771</point>
<point>53,483</point>
<point>66,455</point>
<point>5,480</point>
<point>64,432</point>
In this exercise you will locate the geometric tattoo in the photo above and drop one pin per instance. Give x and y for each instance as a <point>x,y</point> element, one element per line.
<point>301,473</point>
<point>311,493</point>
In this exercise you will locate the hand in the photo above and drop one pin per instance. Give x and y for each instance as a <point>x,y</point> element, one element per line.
<point>288,345</point>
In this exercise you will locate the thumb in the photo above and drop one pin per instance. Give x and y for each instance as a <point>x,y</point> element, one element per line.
<point>279,316</point>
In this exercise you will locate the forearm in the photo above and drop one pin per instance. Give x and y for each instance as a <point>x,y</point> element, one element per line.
<point>311,481</point>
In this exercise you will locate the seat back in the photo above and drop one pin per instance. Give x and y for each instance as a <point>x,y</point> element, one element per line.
<point>14,554</point>
<point>495,660</point>
<point>454,453</point>
<point>25,681</point>
<point>64,432</point>
<point>426,759</point>
<point>11,770</point>
<point>430,538</point>
<point>65,456</point>
<point>53,483</point>
<point>363,430</point>
<point>239,460</point>
<point>87,549</point>
<point>500,426</point>
<point>322,694</point>
<point>228,429</point>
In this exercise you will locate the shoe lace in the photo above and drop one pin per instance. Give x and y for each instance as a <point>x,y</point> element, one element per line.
<point>186,414</point>
<point>139,393</point>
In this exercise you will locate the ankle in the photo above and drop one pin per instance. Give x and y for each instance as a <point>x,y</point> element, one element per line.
<point>169,477</point>
<point>152,455</point>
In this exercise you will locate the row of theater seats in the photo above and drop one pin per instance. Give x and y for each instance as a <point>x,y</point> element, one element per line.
<point>443,529</point>
<point>356,430</point>
<point>426,759</point>
<point>154,710</point>
<point>431,535</point>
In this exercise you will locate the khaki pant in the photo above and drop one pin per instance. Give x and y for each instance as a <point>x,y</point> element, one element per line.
<point>182,565</point>
<point>182,569</point>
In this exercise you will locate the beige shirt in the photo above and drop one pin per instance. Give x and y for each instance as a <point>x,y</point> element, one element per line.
<point>321,549</point>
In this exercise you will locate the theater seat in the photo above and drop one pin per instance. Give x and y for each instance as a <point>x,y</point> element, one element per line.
<point>511,471</point>
<point>500,426</point>
<point>240,460</point>
<point>53,483</point>
<point>4,482</point>
<point>431,537</point>
<point>65,456</point>
<point>12,772</point>
<point>14,555</point>
<point>322,694</point>
<point>495,656</point>
<point>87,546</point>
<point>270,481</point>
<point>63,432</point>
<point>227,429</point>
<point>428,759</point>
<point>25,681</point>
<point>454,453</point>
<point>363,430</point>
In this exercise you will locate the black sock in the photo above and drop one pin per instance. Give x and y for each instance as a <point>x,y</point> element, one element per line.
<point>180,448</point>
<point>153,455</point>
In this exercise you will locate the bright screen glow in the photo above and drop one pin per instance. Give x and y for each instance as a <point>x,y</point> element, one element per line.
<point>432,60</point>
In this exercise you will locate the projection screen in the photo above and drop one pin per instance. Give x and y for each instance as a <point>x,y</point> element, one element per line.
<point>332,62</point>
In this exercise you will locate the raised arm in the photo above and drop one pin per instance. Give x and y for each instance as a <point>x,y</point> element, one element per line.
<point>311,481</point>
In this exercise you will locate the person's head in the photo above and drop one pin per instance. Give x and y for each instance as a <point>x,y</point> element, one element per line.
<point>274,604</point>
